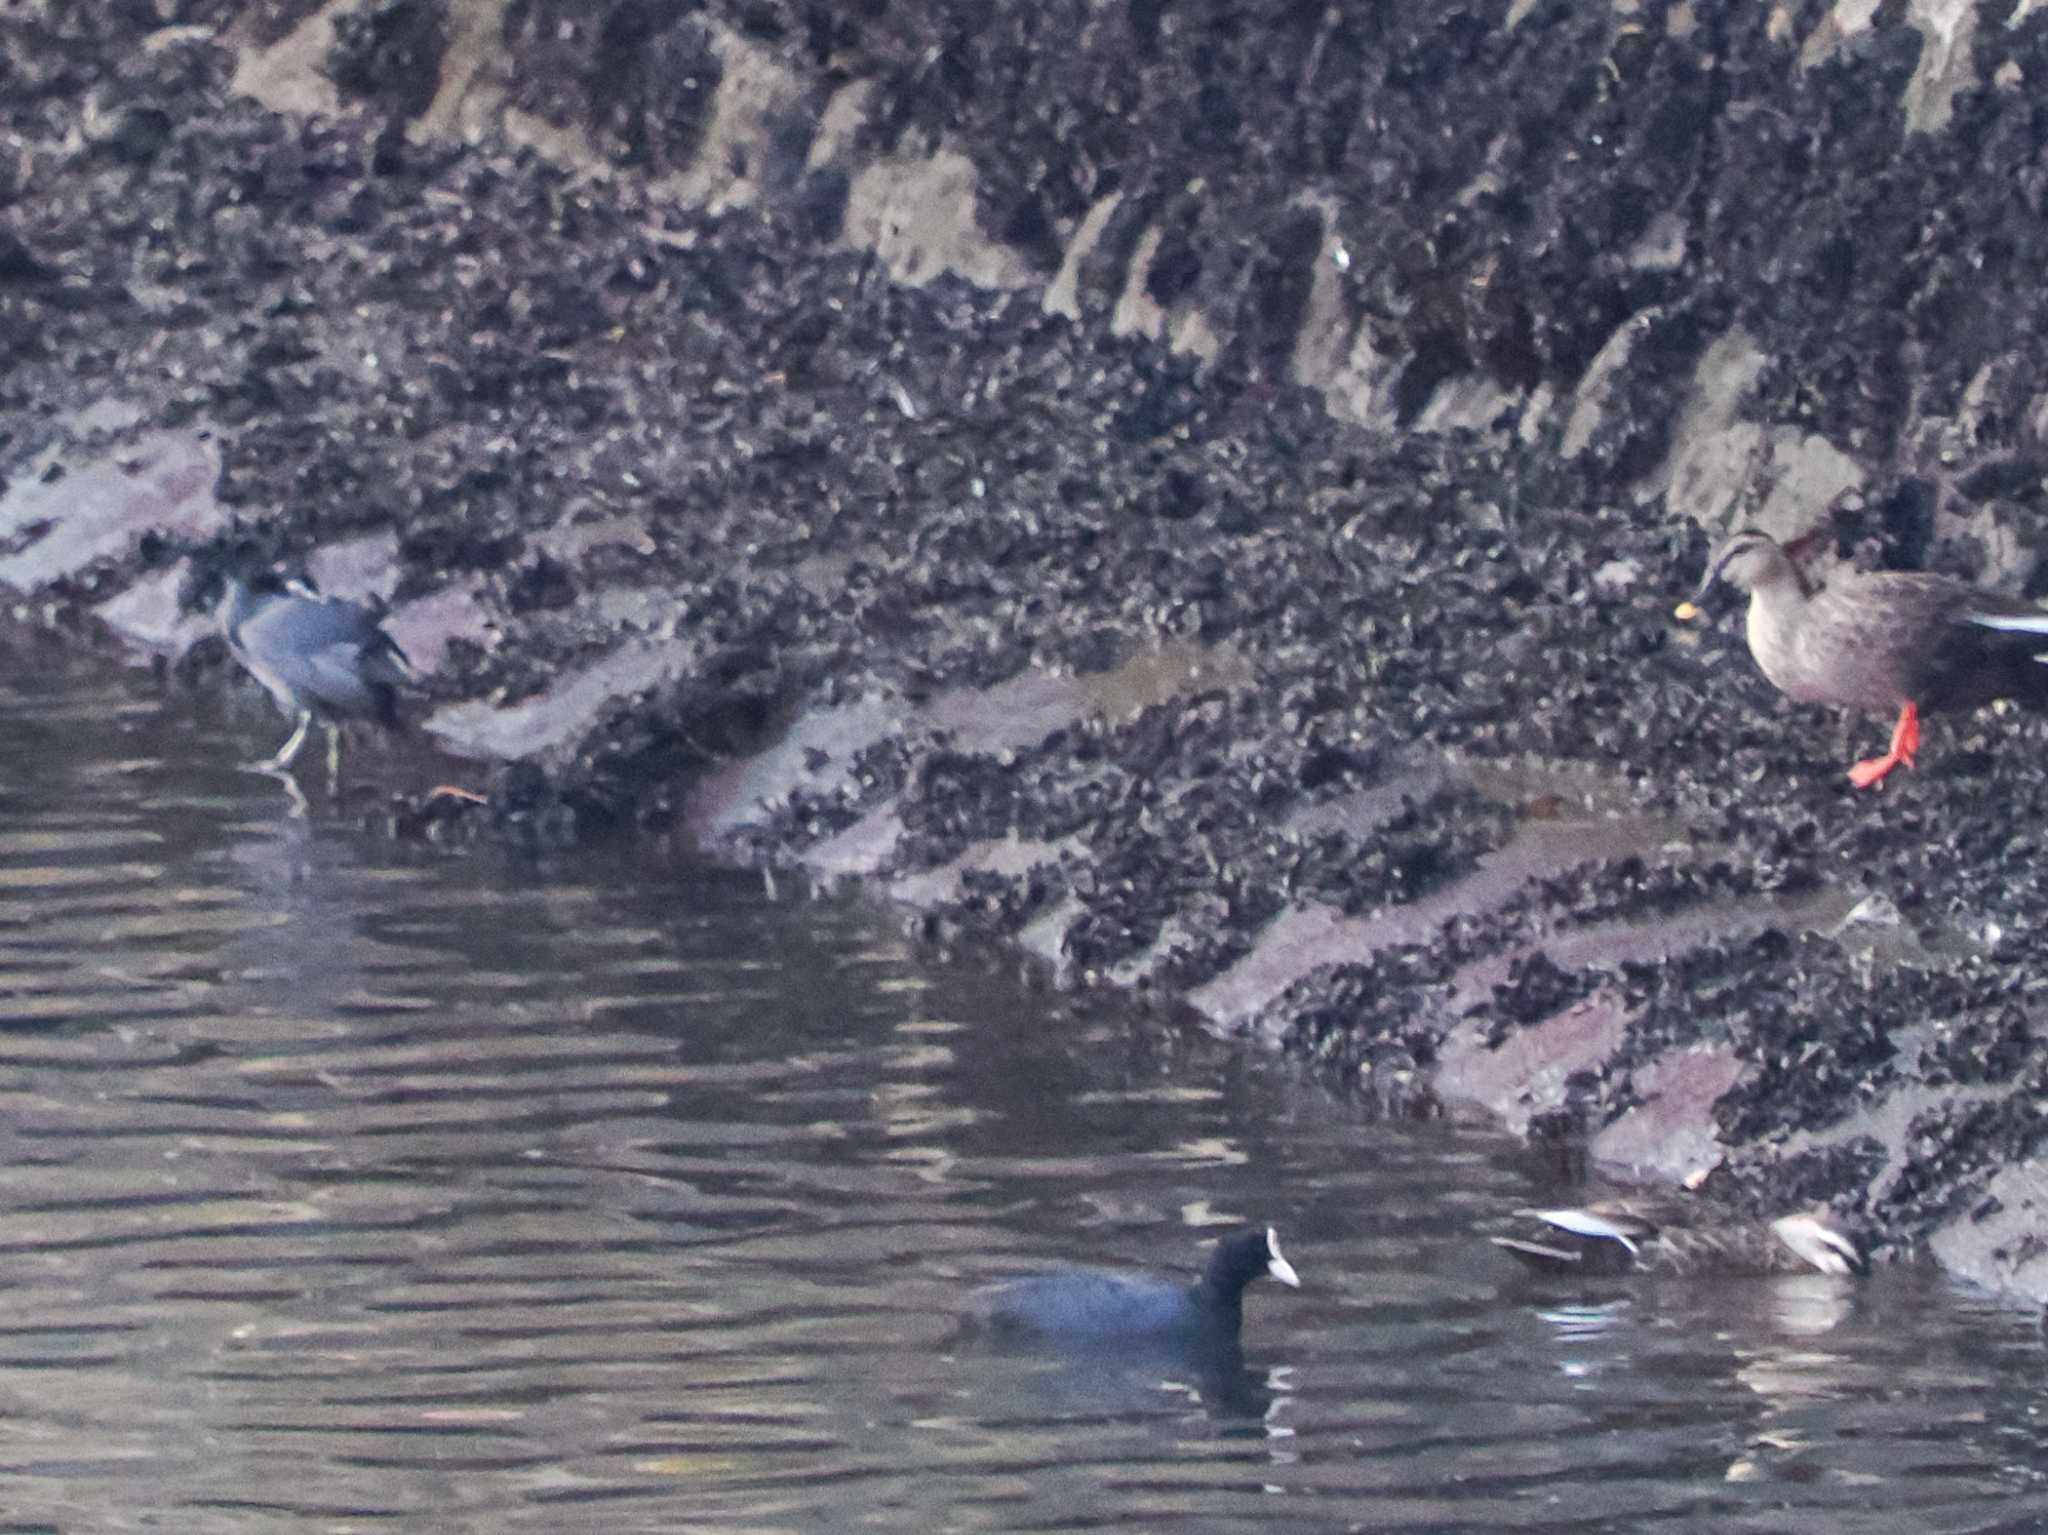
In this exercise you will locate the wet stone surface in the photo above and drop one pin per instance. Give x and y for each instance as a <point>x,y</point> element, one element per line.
<point>705,525</point>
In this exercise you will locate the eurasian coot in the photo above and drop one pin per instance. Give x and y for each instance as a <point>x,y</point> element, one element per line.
<point>1104,1307</point>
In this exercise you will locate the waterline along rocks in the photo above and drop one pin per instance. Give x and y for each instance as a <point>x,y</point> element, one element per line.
<point>1196,492</point>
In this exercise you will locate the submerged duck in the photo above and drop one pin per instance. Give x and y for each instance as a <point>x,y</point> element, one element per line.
<point>318,656</point>
<point>1887,639</point>
<point>1104,1307</point>
<point>1623,1236</point>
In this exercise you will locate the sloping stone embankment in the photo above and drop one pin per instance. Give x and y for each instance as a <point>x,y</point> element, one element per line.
<point>1195,490</point>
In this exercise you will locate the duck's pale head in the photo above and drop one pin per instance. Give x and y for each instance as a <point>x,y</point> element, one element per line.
<point>1822,1242</point>
<point>1748,560</point>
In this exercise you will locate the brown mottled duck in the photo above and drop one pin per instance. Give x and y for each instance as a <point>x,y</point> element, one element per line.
<point>1888,639</point>
<point>1666,1238</point>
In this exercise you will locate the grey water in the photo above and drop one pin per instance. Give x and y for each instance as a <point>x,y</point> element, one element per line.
<point>347,1185</point>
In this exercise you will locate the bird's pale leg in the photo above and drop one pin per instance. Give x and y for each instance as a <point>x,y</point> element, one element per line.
<point>1905,742</point>
<point>290,749</point>
<point>296,807</point>
<point>333,757</point>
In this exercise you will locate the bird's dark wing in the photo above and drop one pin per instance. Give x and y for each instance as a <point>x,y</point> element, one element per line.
<point>330,650</point>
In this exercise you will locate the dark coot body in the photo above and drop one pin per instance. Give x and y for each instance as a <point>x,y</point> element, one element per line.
<point>1111,1309</point>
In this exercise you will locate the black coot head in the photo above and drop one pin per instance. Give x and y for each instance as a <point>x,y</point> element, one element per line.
<point>1243,1256</point>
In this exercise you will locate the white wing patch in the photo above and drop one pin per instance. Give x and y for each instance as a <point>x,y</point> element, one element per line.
<point>2010,623</point>
<point>1583,1223</point>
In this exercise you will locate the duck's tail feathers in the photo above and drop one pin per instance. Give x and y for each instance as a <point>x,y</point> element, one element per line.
<point>2012,646</point>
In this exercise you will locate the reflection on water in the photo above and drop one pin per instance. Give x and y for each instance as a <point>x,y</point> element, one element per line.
<point>344,1185</point>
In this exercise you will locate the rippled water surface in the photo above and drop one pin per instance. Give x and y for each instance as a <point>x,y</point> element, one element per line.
<point>346,1186</point>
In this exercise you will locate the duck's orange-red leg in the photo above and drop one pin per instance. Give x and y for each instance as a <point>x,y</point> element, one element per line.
<point>1905,742</point>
